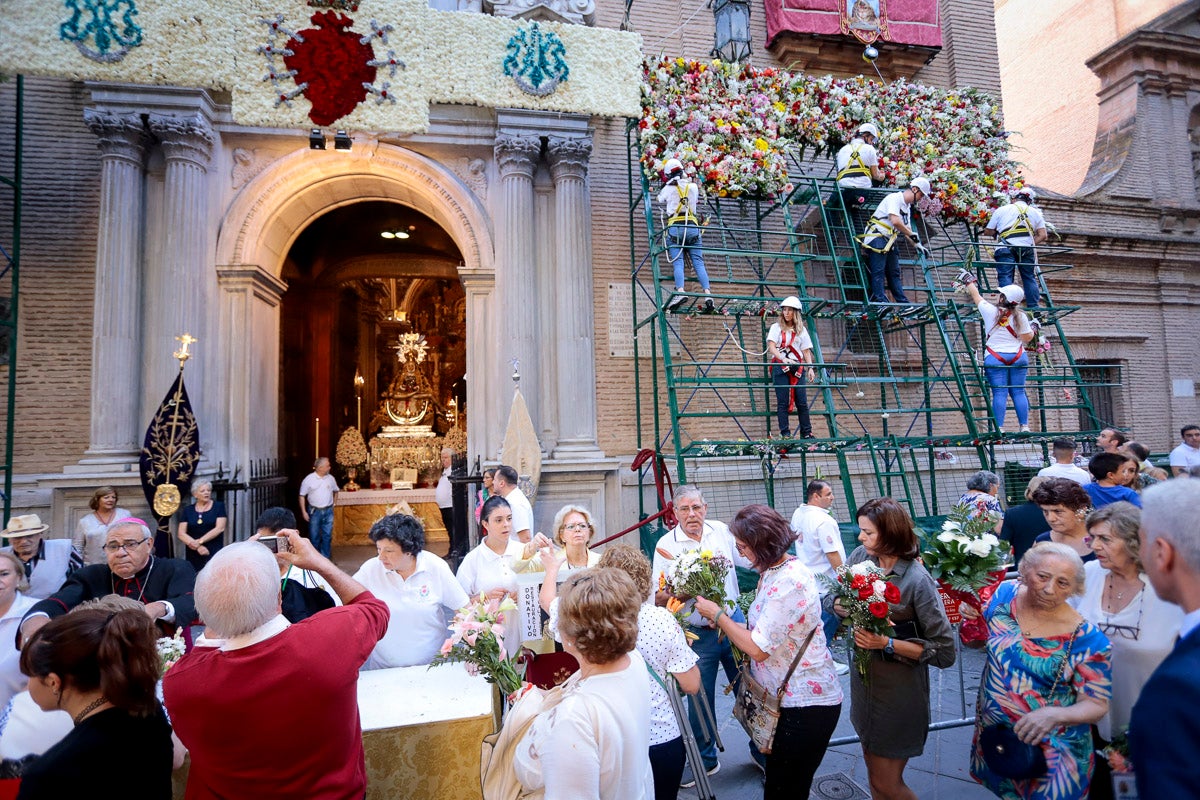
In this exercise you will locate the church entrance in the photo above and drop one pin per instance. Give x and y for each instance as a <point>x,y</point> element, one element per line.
<point>372,339</point>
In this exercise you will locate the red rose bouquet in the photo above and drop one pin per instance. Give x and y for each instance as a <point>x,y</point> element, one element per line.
<point>864,592</point>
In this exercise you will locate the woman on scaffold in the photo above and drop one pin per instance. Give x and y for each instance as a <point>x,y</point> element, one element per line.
<point>1006,364</point>
<point>790,349</point>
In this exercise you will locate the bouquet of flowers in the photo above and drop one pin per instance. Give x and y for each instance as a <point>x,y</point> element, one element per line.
<point>170,650</point>
<point>1117,756</point>
<point>968,561</point>
<point>697,573</point>
<point>678,609</point>
<point>864,591</point>
<point>1039,345</point>
<point>477,638</point>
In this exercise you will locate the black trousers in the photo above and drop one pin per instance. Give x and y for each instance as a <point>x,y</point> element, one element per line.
<point>666,761</point>
<point>800,742</point>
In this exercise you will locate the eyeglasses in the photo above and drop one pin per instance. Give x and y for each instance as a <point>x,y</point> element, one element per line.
<point>688,509</point>
<point>576,526</point>
<point>1129,632</point>
<point>113,547</point>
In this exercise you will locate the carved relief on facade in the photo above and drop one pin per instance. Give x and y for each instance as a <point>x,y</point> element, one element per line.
<point>578,12</point>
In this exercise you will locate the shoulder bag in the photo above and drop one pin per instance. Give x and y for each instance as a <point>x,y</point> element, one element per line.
<point>758,709</point>
<point>1004,752</point>
<point>496,774</point>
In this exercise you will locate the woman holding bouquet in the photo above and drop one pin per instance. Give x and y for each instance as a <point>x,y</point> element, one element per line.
<point>890,707</point>
<point>790,349</point>
<point>785,613</point>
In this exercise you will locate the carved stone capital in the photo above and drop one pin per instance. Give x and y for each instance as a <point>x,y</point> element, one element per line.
<point>517,155</point>
<point>577,12</point>
<point>120,135</point>
<point>184,138</point>
<point>569,157</point>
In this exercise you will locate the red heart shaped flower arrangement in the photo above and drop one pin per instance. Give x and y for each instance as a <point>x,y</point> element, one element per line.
<point>332,60</point>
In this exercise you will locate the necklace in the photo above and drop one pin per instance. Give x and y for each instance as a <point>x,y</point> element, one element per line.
<point>90,707</point>
<point>1114,595</point>
<point>104,521</point>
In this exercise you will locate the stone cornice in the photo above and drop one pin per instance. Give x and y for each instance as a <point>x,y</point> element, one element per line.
<point>187,139</point>
<point>262,283</point>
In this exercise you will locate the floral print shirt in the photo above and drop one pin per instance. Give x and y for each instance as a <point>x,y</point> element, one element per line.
<point>786,607</point>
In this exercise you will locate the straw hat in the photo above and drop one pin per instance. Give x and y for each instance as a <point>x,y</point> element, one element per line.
<point>24,525</point>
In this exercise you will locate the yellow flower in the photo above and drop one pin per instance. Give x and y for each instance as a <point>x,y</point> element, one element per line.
<point>706,554</point>
<point>780,107</point>
<point>761,144</point>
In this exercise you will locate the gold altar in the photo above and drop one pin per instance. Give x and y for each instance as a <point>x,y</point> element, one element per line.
<point>355,512</point>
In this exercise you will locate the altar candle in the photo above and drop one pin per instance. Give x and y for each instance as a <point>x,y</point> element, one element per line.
<point>318,438</point>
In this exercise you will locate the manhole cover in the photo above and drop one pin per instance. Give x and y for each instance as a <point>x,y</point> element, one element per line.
<point>837,786</point>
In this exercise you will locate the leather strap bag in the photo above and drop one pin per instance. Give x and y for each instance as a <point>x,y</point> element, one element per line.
<point>497,777</point>
<point>758,709</point>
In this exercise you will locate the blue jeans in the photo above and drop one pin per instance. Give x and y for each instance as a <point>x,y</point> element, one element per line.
<point>683,237</point>
<point>888,264</point>
<point>320,529</point>
<point>783,388</point>
<point>1008,381</point>
<point>830,622</point>
<point>1008,258</point>
<point>712,654</point>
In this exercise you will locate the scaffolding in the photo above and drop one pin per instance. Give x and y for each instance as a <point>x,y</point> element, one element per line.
<point>901,404</point>
<point>10,252</point>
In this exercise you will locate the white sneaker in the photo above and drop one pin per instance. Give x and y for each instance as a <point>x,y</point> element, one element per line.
<point>676,300</point>
<point>1025,429</point>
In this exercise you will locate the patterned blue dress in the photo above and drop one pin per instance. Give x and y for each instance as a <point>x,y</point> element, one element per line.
<point>1019,675</point>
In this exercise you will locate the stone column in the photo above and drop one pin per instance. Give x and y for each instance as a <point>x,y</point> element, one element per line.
<point>517,320</point>
<point>178,277</point>
<point>576,378</point>
<point>485,417</point>
<point>116,317</point>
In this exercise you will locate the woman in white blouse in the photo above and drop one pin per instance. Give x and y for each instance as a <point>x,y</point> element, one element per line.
<point>92,528</point>
<point>595,744</point>
<point>1120,600</point>
<point>786,610</point>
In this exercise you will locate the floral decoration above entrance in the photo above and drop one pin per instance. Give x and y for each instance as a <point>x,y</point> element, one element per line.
<point>537,61</point>
<point>107,24</point>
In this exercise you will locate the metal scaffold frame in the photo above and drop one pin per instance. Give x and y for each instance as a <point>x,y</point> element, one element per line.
<point>898,386</point>
<point>10,258</point>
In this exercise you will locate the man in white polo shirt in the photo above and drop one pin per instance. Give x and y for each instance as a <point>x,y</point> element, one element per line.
<point>819,545</point>
<point>1187,454</point>
<point>318,491</point>
<point>505,483</point>
<point>1064,464</point>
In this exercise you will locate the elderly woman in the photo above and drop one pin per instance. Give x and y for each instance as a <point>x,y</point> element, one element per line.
<point>1120,600</point>
<point>595,744</point>
<point>89,533</point>
<point>101,667</point>
<point>891,712</point>
<point>202,524</point>
<point>784,619</point>
<point>573,530</point>
<point>1046,679</point>
<point>13,607</point>
<point>419,589</point>
<point>981,496</point>
<point>1065,505</point>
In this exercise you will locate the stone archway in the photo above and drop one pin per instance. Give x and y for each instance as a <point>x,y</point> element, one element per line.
<point>257,232</point>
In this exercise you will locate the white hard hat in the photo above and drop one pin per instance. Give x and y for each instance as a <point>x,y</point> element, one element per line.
<point>1026,192</point>
<point>867,127</point>
<point>791,301</point>
<point>672,166</point>
<point>922,184</point>
<point>1013,294</point>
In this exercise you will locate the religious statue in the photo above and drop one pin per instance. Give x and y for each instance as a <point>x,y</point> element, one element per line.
<point>409,401</point>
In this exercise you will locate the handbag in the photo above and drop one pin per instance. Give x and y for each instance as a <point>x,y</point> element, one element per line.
<point>497,777</point>
<point>1003,751</point>
<point>758,709</point>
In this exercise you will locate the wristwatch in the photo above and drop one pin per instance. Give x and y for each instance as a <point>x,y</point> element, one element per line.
<point>889,648</point>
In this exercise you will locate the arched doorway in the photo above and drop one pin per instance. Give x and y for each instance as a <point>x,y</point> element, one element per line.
<point>363,279</point>
<point>266,220</point>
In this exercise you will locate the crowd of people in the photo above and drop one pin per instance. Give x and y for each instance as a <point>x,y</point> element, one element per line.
<point>1093,642</point>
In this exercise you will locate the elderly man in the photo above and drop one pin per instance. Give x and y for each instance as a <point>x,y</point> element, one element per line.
<point>1164,730</point>
<point>505,483</point>
<point>48,562</point>
<point>1187,454</point>
<point>444,494</point>
<point>318,493</point>
<point>162,585</point>
<point>272,710</point>
<point>696,532</point>
<point>819,545</point>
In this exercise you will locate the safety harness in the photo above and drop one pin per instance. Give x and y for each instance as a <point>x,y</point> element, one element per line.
<point>1020,226</point>
<point>878,229</point>
<point>787,344</point>
<point>855,166</point>
<point>1004,321</point>
<point>684,212</point>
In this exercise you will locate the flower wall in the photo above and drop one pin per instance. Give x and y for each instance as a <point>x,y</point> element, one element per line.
<point>736,126</point>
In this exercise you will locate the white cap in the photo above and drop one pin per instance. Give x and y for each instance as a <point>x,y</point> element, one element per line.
<point>672,166</point>
<point>867,127</point>
<point>1026,192</point>
<point>791,301</point>
<point>922,184</point>
<point>1013,294</point>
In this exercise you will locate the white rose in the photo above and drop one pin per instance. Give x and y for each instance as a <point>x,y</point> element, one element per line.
<point>978,548</point>
<point>861,568</point>
<point>990,539</point>
<point>878,587</point>
<point>945,536</point>
<point>950,525</point>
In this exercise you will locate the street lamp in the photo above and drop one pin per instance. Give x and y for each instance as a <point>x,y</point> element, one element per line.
<point>732,36</point>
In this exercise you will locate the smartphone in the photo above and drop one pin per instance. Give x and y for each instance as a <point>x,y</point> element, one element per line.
<point>271,543</point>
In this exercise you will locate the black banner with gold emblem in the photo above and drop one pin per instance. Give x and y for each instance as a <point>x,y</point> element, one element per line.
<point>170,453</point>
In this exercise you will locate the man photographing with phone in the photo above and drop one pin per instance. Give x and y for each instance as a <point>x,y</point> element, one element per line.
<point>269,679</point>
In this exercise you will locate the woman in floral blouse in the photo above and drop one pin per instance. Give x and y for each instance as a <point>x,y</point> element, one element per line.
<point>785,612</point>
